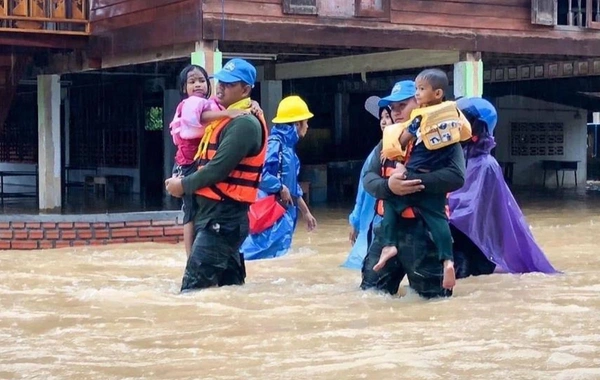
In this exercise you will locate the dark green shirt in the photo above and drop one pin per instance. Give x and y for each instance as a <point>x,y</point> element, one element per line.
<point>241,137</point>
<point>445,180</point>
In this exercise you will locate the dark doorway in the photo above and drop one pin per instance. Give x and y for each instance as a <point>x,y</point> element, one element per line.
<point>152,157</point>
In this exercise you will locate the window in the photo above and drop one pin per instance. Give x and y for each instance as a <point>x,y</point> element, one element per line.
<point>580,13</point>
<point>372,8</point>
<point>537,139</point>
<point>19,136</point>
<point>300,7</point>
<point>105,119</point>
<point>544,12</point>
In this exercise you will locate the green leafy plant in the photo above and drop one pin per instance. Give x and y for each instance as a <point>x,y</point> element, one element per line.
<point>154,119</point>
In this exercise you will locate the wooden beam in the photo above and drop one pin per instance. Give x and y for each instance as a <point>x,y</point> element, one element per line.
<point>147,56</point>
<point>562,91</point>
<point>79,61</point>
<point>365,63</point>
<point>541,70</point>
<point>49,41</point>
<point>146,26</point>
<point>395,37</point>
<point>555,41</point>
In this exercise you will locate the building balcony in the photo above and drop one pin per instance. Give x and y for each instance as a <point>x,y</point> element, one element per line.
<point>54,17</point>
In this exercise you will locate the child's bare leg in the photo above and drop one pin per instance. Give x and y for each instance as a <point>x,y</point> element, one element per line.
<point>188,237</point>
<point>449,275</point>
<point>386,254</point>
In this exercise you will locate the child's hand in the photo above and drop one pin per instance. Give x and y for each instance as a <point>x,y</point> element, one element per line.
<point>255,108</point>
<point>235,113</point>
<point>174,187</point>
<point>400,169</point>
<point>405,138</point>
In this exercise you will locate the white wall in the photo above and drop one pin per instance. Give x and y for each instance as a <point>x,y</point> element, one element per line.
<point>528,169</point>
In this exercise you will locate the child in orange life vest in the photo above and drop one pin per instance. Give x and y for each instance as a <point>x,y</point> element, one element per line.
<point>433,129</point>
<point>193,114</point>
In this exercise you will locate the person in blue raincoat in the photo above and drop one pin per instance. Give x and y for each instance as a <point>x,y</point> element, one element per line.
<point>291,124</point>
<point>363,216</point>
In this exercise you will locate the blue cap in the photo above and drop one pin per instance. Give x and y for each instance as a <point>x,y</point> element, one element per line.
<point>479,110</point>
<point>237,70</point>
<point>401,91</point>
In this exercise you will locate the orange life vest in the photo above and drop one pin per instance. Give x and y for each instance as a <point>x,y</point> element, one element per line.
<point>241,185</point>
<point>387,168</point>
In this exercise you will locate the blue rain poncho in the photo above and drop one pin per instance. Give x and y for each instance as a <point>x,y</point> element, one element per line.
<point>361,219</point>
<point>277,240</point>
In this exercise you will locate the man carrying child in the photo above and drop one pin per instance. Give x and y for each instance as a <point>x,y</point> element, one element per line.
<point>417,256</point>
<point>424,146</point>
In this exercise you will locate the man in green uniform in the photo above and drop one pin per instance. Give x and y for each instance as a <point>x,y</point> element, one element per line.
<point>417,258</point>
<point>233,151</point>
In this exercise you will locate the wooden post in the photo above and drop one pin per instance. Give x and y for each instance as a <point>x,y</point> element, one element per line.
<point>49,143</point>
<point>271,92</point>
<point>468,75</point>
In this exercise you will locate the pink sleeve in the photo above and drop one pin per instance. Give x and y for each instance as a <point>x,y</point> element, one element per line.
<point>191,117</point>
<point>175,122</point>
<point>214,104</point>
<point>205,105</point>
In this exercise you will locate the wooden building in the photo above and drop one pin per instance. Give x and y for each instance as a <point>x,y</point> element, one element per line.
<point>79,78</point>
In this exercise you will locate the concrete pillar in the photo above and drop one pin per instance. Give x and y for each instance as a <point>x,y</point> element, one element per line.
<point>171,99</point>
<point>468,75</point>
<point>49,142</point>
<point>207,55</point>
<point>270,96</point>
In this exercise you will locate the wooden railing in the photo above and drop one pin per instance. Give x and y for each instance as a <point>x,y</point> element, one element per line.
<point>45,16</point>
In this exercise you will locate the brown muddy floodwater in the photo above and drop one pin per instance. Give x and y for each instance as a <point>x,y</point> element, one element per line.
<point>115,313</point>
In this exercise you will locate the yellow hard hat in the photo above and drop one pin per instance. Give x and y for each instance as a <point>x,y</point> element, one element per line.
<point>291,110</point>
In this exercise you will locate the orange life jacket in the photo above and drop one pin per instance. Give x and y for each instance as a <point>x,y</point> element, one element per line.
<point>387,168</point>
<point>241,185</point>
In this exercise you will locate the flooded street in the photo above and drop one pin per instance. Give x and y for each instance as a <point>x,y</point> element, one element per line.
<point>114,312</point>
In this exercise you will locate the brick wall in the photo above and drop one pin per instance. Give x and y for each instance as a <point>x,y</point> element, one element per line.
<point>58,231</point>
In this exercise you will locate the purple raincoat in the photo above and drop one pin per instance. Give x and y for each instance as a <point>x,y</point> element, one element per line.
<point>485,210</point>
